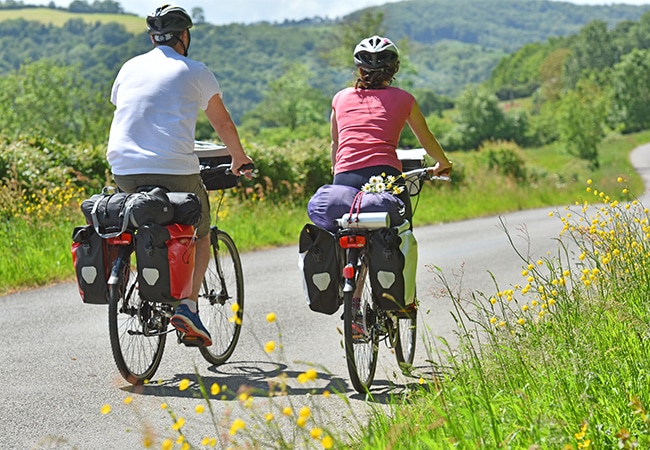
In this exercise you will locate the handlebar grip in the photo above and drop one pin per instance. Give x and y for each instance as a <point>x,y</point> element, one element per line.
<point>247,166</point>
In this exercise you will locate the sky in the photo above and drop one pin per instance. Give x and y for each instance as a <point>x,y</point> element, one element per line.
<point>222,12</point>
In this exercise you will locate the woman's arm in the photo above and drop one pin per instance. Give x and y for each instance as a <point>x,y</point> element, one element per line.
<point>427,140</point>
<point>334,131</point>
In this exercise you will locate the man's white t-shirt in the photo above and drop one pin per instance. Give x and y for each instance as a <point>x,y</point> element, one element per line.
<point>157,97</point>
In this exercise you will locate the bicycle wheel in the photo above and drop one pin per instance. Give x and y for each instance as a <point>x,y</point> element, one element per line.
<point>137,329</point>
<point>221,299</point>
<point>405,323</point>
<point>361,348</point>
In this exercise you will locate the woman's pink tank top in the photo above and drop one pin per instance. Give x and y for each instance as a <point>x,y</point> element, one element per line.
<point>369,123</point>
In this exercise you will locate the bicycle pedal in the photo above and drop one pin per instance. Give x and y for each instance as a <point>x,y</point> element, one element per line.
<point>189,341</point>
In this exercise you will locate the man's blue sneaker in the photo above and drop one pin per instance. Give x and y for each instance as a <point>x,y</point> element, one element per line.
<point>189,324</point>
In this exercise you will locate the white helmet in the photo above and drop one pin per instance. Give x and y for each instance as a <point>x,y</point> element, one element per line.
<point>376,53</point>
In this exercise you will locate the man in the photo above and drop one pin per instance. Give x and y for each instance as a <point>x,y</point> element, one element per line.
<point>157,97</point>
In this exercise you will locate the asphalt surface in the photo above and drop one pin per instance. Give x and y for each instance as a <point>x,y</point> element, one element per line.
<point>58,370</point>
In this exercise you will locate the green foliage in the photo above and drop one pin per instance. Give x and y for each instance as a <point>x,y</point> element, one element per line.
<point>38,164</point>
<point>481,118</point>
<point>591,50</point>
<point>55,102</point>
<point>518,74</point>
<point>349,34</point>
<point>507,159</point>
<point>631,90</point>
<point>290,102</point>
<point>581,122</point>
<point>445,55</point>
<point>291,172</point>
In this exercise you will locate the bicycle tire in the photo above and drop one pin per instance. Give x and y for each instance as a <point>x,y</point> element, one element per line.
<point>405,323</point>
<point>361,352</point>
<point>221,299</point>
<point>137,354</point>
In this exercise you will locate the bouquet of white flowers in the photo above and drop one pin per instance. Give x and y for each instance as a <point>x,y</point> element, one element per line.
<point>382,183</point>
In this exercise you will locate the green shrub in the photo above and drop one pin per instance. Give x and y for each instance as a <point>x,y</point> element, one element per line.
<point>505,158</point>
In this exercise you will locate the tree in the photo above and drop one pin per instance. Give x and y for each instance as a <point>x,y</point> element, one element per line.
<point>550,72</point>
<point>197,15</point>
<point>581,120</point>
<point>290,101</point>
<point>351,32</point>
<point>631,90</point>
<point>592,50</point>
<point>51,100</point>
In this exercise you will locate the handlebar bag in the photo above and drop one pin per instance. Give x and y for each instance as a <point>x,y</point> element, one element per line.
<point>320,265</point>
<point>90,266</point>
<point>393,266</point>
<point>165,259</point>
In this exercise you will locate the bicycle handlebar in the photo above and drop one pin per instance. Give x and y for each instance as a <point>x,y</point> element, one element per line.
<point>425,173</point>
<point>226,168</point>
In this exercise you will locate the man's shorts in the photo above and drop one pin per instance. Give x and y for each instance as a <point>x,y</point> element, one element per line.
<point>173,183</point>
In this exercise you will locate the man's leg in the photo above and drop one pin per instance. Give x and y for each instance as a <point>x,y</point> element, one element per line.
<point>201,261</point>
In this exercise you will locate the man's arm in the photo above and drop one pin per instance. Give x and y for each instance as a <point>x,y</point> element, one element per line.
<point>223,124</point>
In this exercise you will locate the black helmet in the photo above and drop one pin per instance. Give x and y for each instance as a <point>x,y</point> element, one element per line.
<point>168,19</point>
<point>376,53</point>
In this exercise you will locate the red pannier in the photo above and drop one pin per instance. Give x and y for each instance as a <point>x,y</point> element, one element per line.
<point>165,256</point>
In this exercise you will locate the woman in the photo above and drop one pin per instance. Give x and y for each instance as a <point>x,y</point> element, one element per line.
<point>367,120</point>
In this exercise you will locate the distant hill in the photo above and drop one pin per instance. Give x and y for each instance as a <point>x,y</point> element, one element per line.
<point>452,42</point>
<point>58,18</point>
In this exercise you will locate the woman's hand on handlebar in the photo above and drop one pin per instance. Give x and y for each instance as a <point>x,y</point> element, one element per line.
<point>442,169</point>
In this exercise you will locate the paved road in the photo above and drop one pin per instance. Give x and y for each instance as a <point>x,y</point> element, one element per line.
<point>58,372</point>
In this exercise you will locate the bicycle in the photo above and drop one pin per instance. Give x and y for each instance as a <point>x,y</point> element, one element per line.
<point>138,328</point>
<point>367,324</point>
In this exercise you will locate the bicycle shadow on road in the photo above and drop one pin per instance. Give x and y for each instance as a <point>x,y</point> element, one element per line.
<point>264,378</point>
<point>255,378</point>
<point>417,378</point>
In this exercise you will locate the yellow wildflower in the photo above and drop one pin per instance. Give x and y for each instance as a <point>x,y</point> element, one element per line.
<point>327,442</point>
<point>237,425</point>
<point>178,424</point>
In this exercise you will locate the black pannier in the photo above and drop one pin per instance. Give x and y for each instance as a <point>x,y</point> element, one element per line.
<point>320,263</point>
<point>90,265</point>
<point>393,266</point>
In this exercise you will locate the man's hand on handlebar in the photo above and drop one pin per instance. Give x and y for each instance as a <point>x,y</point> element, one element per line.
<point>243,167</point>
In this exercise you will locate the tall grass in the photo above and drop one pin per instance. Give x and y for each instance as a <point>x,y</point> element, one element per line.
<point>559,361</point>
